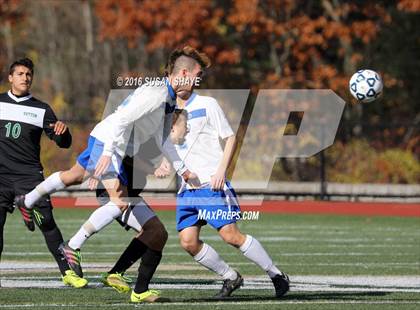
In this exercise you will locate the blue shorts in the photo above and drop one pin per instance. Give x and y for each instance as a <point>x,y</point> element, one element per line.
<point>202,206</point>
<point>90,156</point>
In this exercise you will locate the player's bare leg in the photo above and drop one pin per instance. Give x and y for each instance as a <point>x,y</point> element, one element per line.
<point>75,175</point>
<point>190,241</point>
<point>254,251</point>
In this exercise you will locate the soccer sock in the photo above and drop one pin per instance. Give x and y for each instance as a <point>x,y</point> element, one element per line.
<point>3,215</point>
<point>100,218</point>
<point>50,185</point>
<point>132,253</point>
<point>148,265</point>
<point>255,252</point>
<point>53,238</point>
<point>209,258</point>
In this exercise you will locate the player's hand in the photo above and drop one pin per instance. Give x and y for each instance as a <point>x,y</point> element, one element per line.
<point>217,181</point>
<point>192,179</point>
<point>162,172</point>
<point>102,166</point>
<point>93,183</point>
<point>164,169</point>
<point>59,127</point>
<point>166,164</point>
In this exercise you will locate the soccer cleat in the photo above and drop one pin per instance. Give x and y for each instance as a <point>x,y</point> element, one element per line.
<point>72,279</point>
<point>148,296</point>
<point>281,284</point>
<point>73,258</point>
<point>116,281</point>
<point>229,286</point>
<point>26,213</point>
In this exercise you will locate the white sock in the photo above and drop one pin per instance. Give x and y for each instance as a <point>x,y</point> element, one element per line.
<point>209,258</point>
<point>255,252</point>
<point>100,218</point>
<point>50,185</point>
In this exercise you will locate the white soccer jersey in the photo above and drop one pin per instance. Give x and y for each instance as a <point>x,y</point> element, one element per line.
<point>202,151</point>
<point>144,111</point>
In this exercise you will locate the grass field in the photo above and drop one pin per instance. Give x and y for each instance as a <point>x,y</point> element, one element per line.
<point>335,262</point>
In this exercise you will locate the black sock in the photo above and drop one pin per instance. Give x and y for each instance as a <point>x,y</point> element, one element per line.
<point>149,263</point>
<point>3,215</point>
<point>132,253</point>
<point>53,238</point>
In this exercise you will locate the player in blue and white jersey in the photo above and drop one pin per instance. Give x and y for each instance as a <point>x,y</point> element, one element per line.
<point>214,201</point>
<point>145,114</point>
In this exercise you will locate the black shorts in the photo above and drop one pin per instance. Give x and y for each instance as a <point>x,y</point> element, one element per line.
<point>13,185</point>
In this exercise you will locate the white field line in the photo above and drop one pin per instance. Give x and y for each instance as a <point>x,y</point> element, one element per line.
<point>190,304</point>
<point>373,281</point>
<point>231,253</point>
<point>248,285</point>
<point>379,239</point>
<point>298,283</point>
<point>27,266</point>
<point>284,231</point>
<point>177,246</point>
<point>248,225</point>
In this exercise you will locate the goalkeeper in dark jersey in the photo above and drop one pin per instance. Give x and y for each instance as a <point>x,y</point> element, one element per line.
<point>23,119</point>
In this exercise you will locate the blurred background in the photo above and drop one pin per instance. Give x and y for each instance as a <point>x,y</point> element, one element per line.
<point>80,47</point>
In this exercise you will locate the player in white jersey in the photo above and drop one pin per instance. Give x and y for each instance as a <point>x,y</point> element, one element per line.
<point>144,114</point>
<point>214,201</point>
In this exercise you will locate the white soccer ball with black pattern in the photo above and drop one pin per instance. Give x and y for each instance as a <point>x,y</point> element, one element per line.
<point>366,85</point>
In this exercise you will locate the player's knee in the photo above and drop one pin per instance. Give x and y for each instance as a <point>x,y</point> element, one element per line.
<point>235,239</point>
<point>157,230</point>
<point>192,246</point>
<point>162,234</point>
<point>72,176</point>
<point>78,178</point>
<point>155,226</point>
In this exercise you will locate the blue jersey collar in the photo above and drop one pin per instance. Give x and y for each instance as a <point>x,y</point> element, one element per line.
<point>192,97</point>
<point>170,89</point>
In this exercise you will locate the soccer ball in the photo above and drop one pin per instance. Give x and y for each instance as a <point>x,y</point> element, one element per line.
<point>366,85</point>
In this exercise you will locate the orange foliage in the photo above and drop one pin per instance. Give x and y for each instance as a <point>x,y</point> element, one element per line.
<point>299,42</point>
<point>9,11</point>
<point>409,5</point>
<point>284,43</point>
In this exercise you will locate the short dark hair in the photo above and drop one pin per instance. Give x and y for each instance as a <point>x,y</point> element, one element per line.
<point>187,52</point>
<point>26,62</point>
<point>177,114</point>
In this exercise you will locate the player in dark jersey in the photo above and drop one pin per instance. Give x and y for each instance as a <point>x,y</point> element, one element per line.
<point>23,119</point>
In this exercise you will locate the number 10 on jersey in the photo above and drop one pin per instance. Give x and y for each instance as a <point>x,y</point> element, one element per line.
<point>13,131</point>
